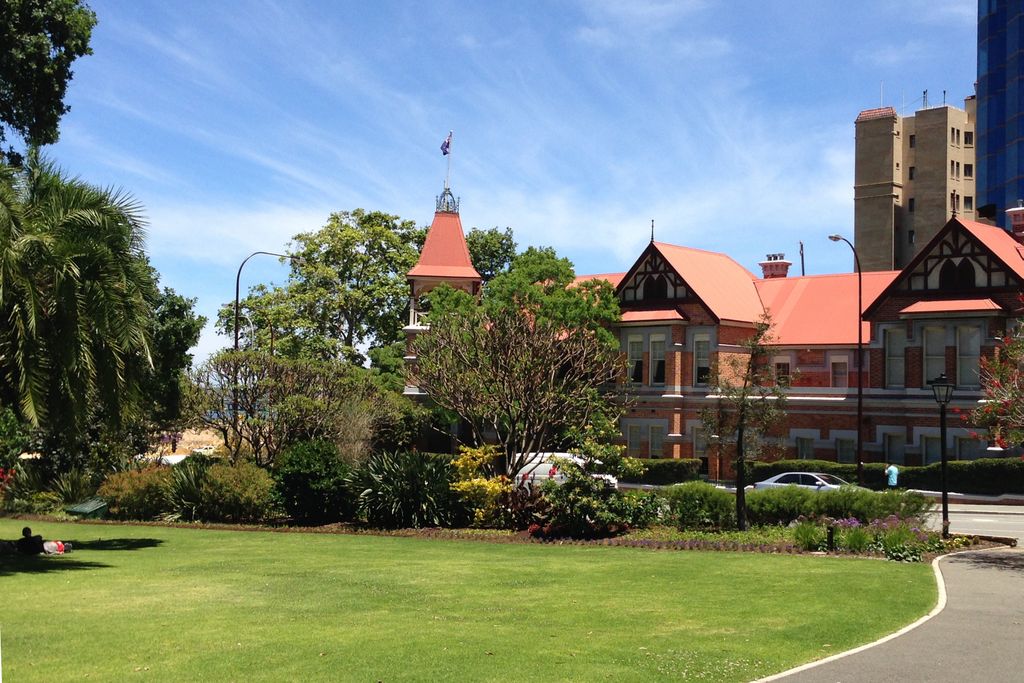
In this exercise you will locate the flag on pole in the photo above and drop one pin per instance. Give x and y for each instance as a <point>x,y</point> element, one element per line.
<point>446,145</point>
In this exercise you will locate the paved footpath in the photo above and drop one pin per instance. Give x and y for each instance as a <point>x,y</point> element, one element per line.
<point>978,637</point>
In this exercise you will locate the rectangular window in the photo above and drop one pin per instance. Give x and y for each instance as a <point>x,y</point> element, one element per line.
<point>846,450</point>
<point>782,374</point>
<point>657,441</point>
<point>701,362</point>
<point>910,205</point>
<point>969,138</point>
<point>911,171</point>
<point>895,448</point>
<point>934,353</point>
<point>968,170</point>
<point>968,355</point>
<point>953,204</point>
<point>895,342</point>
<point>952,168</point>
<point>636,359</point>
<point>910,236</point>
<point>657,359</point>
<point>968,448</point>
<point>931,449</point>
<point>913,141</point>
<point>700,443</point>
<point>804,448</point>
<point>968,203</point>
<point>952,135</point>
<point>840,374</point>
<point>633,441</point>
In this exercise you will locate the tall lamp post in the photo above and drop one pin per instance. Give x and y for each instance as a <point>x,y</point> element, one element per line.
<point>238,279</point>
<point>943,390</point>
<point>860,355</point>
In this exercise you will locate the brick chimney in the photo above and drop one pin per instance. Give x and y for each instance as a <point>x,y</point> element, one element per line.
<point>775,265</point>
<point>1016,216</point>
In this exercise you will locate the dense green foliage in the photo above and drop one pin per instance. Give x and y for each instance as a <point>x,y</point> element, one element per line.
<point>313,483</point>
<point>14,438</point>
<point>699,505</point>
<point>491,251</point>
<point>526,363</point>
<point>136,494</point>
<point>660,471</point>
<point>1002,381</point>
<point>784,504</point>
<point>40,39</point>
<point>194,605</point>
<point>238,493</point>
<point>406,489</point>
<point>987,476</point>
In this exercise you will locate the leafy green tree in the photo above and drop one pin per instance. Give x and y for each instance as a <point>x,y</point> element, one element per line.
<point>491,251</point>
<point>75,292</point>
<point>750,403</point>
<point>529,363</point>
<point>1002,381</point>
<point>175,330</point>
<point>40,39</point>
<point>347,288</point>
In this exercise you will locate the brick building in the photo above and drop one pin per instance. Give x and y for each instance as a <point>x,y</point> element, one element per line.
<point>683,308</point>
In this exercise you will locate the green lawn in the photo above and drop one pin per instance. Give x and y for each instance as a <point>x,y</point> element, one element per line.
<point>149,603</point>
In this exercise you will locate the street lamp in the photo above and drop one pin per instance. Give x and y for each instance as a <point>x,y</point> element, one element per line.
<point>943,390</point>
<point>238,278</point>
<point>860,355</point>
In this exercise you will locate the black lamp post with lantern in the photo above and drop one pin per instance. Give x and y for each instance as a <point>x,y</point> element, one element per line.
<point>942,388</point>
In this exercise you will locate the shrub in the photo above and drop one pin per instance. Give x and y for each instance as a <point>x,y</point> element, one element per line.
<point>72,487</point>
<point>184,491</point>
<point>902,504</point>
<point>809,535</point>
<point>408,490</point>
<point>27,490</point>
<point>237,493</point>
<point>585,507</point>
<point>481,494</point>
<point>138,494</point>
<point>699,505</point>
<point>314,484</point>
<point>779,505</point>
<point>853,538</point>
<point>660,471</point>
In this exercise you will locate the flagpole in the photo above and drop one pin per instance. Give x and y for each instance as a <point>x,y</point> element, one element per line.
<point>448,175</point>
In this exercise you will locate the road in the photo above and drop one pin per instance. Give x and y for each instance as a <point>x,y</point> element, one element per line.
<point>988,520</point>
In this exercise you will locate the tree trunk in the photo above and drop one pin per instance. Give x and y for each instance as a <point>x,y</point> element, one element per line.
<point>741,475</point>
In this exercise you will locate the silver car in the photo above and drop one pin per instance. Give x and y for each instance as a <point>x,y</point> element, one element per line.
<point>815,481</point>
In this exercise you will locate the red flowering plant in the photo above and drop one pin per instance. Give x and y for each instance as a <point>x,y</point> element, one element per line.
<point>1002,382</point>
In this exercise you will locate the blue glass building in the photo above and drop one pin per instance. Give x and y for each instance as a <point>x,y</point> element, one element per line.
<point>1000,123</point>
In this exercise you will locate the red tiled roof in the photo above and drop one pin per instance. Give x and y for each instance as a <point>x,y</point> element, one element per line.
<point>954,306</point>
<point>652,315</point>
<point>819,309</point>
<point>445,253</point>
<point>1003,245</point>
<point>879,113</point>
<point>725,287</point>
<point>613,278</point>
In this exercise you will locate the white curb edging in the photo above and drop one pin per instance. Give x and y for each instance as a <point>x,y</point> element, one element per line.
<point>938,608</point>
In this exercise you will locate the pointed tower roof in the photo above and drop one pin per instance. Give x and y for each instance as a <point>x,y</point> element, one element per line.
<point>445,254</point>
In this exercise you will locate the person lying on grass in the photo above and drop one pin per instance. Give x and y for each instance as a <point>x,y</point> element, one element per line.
<point>35,545</point>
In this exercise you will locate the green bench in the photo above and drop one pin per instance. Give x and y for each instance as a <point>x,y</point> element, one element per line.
<point>93,508</point>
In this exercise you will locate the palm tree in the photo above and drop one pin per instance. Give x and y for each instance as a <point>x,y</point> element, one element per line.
<point>74,291</point>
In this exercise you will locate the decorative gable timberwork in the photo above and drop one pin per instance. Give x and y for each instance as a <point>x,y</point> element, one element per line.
<point>653,280</point>
<point>957,262</point>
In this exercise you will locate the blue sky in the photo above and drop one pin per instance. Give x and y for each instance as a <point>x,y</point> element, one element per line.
<point>240,123</point>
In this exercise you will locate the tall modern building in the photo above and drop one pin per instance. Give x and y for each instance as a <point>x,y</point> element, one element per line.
<point>912,174</point>
<point>1000,150</point>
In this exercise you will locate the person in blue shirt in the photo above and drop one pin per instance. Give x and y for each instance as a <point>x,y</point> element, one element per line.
<point>892,473</point>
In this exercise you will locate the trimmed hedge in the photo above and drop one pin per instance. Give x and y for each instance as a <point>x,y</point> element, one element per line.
<point>987,476</point>
<point>668,471</point>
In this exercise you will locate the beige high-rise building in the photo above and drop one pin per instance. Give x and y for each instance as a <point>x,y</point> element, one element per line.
<point>912,174</point>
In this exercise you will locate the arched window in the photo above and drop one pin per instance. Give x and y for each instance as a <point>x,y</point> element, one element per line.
<point>947,275</point>
<point>965,275</point>
<point>656,288</point>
